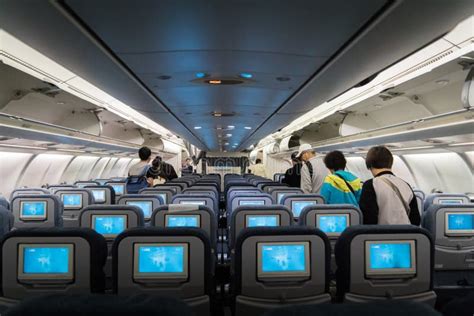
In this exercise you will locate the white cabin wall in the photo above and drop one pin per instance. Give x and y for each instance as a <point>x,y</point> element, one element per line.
<point>44,169</point>
<point>274,165</point>
<point>11,167</point>
<point>447,172</point>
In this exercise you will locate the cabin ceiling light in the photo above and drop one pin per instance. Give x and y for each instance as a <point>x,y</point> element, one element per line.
<point>197,127</point>
<point>247,127</point>
<point>24,58</point>
<point>462,144</point>
<point>23,147</point>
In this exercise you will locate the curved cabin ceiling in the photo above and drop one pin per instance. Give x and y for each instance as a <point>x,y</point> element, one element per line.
<point>289,55</point>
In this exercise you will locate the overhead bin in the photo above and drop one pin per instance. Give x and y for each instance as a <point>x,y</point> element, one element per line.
<point>289,142</point>
<point>163,145</point>
<point>272,148</point>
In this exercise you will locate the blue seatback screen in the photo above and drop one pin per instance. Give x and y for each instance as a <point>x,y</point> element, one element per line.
<point>33,209</point>
<point>298,206</point>
<point>390,256</point>
<point>451,201</point>
<point>99,195</point>
<point>161,259</point>
<point>109,225</point>
<point>460,222</point>
<point>262,220</point>
<point>72,200</point>
<point>145,206</point>
<point>283,258</point>
<point>182,221</point>
<point>333,224</point>
<point>252,202</point>
<point>193,202</point>
<point>46,260</point>
<point>118,188</point>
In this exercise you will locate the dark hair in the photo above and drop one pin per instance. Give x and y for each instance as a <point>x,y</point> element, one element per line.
<point>156,162</point>
<point>379,157</point>
<point>335,160</point>
<point>144,153</point>
<point>294,157</point>
<point>258,161</point>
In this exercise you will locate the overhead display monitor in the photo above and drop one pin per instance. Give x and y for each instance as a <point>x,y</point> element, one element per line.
<point>183,220</point>
<point>119,188</point>
<point>72,200</point>
<point>193,202</point>
<point>45,262</point>
<point>451,201</point>
<point>145,206</point>
<point>283,260</point>
<point>298,206</point>
<point>109,225</point>
<point>459,223</point>
<point>332,224</point>
<point>33,210</point>
<point>386,258</point>
<point>262,220</point>
<point>160,261</point>
<point>99,195</point>
<point>251,202</point>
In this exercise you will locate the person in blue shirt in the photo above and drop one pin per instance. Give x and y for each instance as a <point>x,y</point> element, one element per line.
<point>340,187</point>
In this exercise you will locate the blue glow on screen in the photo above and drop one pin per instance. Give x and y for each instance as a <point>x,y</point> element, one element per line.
<point>461,221</point>
<point>451,201</point>
<point>72,200</point>
<point>182,221</point>
<point>283,258</point>
<point>118,188</point>
<point>99,195</point>
<point>161,259</point>
<point>145,206</point>
<point>33,209</point>
<point>109,225</point>
<point>332,223</point>
<point>252,202</point>
<point>298,206</point>
<point>262,220</point>
<point>193,202</point>
<point>45,260</point>
<point>390,256</point>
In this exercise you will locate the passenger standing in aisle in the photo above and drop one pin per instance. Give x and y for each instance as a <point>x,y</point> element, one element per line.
<point>386,199</point>
<point>340,187</point>
<point>293,175</point>
<point>258,169</point>
<point>313,171</point>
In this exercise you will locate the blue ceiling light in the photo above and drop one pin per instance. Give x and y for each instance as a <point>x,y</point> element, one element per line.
<point>246,75</point>
<point>201,75</point>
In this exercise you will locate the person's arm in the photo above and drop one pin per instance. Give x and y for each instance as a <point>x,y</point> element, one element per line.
<point>368,204</point>
<point>414,217</point>
<point>305,180</point>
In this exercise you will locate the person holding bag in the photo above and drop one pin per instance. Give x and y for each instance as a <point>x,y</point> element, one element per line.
<point>387,199</point>
<point>340,187</point>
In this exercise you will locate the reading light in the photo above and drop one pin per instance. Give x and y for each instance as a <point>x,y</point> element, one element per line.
<point>201,75</point>
<point>228,135</point>
<point>215,81</point>
<point>231,127</point>
<point>246,75</point>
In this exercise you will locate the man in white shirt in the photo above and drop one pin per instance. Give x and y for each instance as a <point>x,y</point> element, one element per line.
<point>145,157</point>
<point>258,169</point>
<point>313,171</point>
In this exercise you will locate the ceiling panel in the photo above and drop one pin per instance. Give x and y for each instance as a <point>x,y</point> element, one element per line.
<point>268,39</point>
